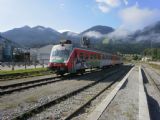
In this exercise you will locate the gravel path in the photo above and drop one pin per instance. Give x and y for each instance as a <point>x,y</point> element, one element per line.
<point>18,102</point>
<point>153,95</point>
<point>125,104</point>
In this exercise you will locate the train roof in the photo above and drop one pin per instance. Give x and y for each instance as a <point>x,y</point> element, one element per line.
<point>89,49</point>
<point>95,50</point>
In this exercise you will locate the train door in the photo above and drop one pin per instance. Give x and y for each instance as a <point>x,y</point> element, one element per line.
<point>71,63</point>
<point>86,60</point>
<point>101,61</point>
<point>109,59</point>
<point>113,60</point>
<point>77,61</point>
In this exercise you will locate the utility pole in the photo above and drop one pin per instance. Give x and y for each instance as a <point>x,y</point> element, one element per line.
<point>151,50</point>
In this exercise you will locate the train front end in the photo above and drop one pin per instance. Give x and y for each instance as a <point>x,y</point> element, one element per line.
<point>59,57</point>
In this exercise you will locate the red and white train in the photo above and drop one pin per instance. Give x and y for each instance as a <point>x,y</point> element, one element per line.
<point>65,58</point>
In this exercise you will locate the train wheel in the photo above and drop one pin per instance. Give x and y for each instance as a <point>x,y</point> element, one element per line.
<point>61,74</point>
<point>82,71</point>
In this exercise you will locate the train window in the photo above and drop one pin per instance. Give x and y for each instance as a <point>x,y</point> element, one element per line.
<point>95,56</point>
<point>91,56</point>
<point>81,55</point>
<point>61,53</point>
<point>76,54</point>
<point>99,57</point>
<point>107,56</point>
<point>103,57</point>
<point>86,57</point>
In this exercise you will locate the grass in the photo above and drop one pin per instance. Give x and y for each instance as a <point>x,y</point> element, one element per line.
<point>23,71</point>
<point>9,75</point>
<point>155,66</point>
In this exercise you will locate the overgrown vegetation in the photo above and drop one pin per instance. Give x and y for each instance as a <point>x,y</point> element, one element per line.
<point>16,74</point>
<point>155,66</point>
<point>131,57</point>
<point>153,52</point>
<point>23,71</point>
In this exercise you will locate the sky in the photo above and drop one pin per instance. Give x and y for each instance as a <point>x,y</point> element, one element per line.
<point>78,15</point>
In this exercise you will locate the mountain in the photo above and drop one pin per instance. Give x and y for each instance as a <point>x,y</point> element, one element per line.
<point>4,41</point>
<point>150,33</point>
<point>100,29</point>
<point>95,34</point>
<point>74,37</point>
<point>135,42</point>
<point>33,37</point>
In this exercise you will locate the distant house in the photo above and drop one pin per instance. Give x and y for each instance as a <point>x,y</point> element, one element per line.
<point>145,59</point>
<point>21,55</point>
<point>6,49</point>
<point>44,54</point>
<point>41,55</point>
<point>1,51</point>
<point>33,54</point>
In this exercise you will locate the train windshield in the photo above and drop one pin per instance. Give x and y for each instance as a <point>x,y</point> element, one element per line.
<point>61,53</point>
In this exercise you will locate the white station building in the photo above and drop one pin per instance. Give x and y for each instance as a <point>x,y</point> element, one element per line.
<point>41,55</point>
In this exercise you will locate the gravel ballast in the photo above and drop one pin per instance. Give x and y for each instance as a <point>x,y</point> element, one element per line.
<point>18,102</point>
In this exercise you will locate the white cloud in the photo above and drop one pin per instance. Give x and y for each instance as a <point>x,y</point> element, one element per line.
<point>119,33</point>
<point>103,8</point>
<point>106,5</point>
<point>64,30</point>
<point>135,18</point>
<point>67,30</point>
<point>151,36</point>
<point>72,34</point>
<point>125,2</point>
<point>112,3</point>
<point>93,34</point>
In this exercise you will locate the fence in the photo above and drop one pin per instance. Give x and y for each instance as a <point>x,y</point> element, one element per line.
<point>21,65</point>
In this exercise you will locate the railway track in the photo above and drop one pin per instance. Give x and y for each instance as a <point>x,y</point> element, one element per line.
<point>8,89</point>
<point>153,91</point>
<point>151,78</point>
<point>86,104</point>
<point>79,92</point>
<point>27,85</point>
<point>107,88</point>
<point>155,71</point>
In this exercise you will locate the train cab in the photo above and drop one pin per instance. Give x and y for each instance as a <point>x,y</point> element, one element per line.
<point>59,56</point>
